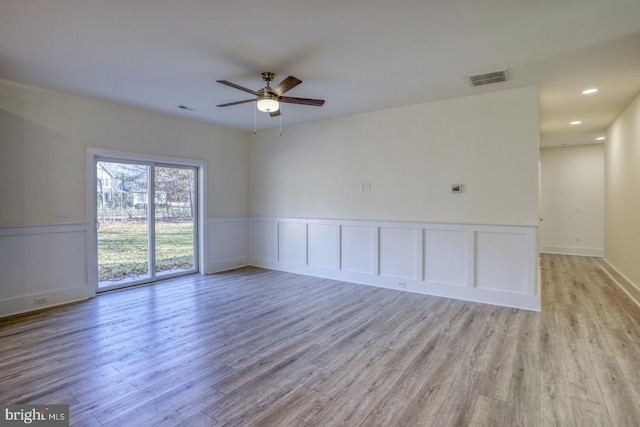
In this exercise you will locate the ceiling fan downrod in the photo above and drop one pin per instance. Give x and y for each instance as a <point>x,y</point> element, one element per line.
<point>268,76</point>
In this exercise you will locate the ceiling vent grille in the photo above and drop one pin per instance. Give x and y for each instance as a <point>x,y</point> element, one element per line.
<point>489,78</point>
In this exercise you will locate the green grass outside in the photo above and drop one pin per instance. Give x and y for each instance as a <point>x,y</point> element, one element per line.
<point>123,251</point>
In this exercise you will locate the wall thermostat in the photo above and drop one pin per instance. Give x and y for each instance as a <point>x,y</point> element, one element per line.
<point>457,188</point>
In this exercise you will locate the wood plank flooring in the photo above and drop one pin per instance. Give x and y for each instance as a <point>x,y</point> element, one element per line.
<point>263,348</point>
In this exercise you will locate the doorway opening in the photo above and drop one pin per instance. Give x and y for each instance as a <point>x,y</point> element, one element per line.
<point>146,221</point>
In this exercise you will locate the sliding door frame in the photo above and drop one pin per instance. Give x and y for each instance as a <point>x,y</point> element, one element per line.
<point>95,154</point>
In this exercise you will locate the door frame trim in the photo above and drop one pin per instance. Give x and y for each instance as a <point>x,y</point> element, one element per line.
<point>92,243</point>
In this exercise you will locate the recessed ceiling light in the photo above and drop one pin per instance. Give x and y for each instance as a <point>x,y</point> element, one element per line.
<point>575,122</point>
<point>589,91</point>
<point>601,138</point>
<point>565,145</point>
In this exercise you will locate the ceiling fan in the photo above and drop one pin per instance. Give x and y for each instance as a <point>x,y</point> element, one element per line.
<point>268,98</point>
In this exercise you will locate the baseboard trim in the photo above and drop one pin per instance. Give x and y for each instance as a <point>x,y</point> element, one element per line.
<point>57,297</point>
<point>225,265</point>
<point>572,250</point>
<point>622,281</point>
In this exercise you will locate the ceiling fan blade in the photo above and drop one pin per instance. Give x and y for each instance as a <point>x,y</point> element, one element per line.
<point>286,85</point>
<point>236,103</point>
<point>274,113</point>
<point>233,85</point>
<point>303,101</point>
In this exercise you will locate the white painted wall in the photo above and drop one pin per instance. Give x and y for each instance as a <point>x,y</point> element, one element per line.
<point>411,156</point>
<point>44,139</point>
<point>410,232</point>
<point>44,136</point>
<point>572,200</point>
<point>622,213</point>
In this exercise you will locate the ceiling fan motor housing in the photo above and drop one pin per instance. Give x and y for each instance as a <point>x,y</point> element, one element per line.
<point>268,76</point>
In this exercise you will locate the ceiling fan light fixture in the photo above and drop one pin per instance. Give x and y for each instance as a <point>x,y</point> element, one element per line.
<point>268,104</point>
<point>268,99</point>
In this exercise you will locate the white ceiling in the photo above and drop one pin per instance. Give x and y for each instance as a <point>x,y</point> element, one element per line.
<point>358,55</point>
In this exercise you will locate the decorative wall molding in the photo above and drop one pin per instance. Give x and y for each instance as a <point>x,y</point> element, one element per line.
<point>227,241</point>
<point>572,250</point>
<point>494,264</point>
<point>43,266</point>
<point>622,281</point>
<point>54,262</point>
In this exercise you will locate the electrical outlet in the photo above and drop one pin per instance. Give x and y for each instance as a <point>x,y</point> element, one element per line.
<point>65,216</point>
<point>402,284</point>
<point>41,300</point>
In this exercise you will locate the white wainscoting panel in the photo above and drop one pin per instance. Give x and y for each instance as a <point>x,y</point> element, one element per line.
<point>357,248</point>
<point>228,244</point>
<point>446,259</point>
<point>44,263</point>
<point>398,250</point>
<point>494,264</point>
<point>264,242</point>
<point>292,242</point>
<point>323,243</point>
<point>501,261</point>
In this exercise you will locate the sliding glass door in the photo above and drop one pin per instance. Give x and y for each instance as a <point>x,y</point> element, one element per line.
<point>146,215</point>
<point>174,222</point>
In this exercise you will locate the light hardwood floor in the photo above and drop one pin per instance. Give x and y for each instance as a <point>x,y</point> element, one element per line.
<point>264,348</point>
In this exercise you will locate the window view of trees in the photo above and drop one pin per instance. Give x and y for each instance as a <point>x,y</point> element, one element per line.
<point>123,195</point>
<point>174,194</point>
<point>123,191</point>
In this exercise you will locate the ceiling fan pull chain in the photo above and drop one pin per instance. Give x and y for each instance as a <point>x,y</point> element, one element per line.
<point>255,119</point>
<point>280,124</point>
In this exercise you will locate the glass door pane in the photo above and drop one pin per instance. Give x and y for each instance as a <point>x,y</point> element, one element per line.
<point>123,223</point>
<point>147,222</point>
<point>175,219</point>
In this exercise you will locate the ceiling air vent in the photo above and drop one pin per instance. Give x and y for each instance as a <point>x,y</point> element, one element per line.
<point>489,78</point>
